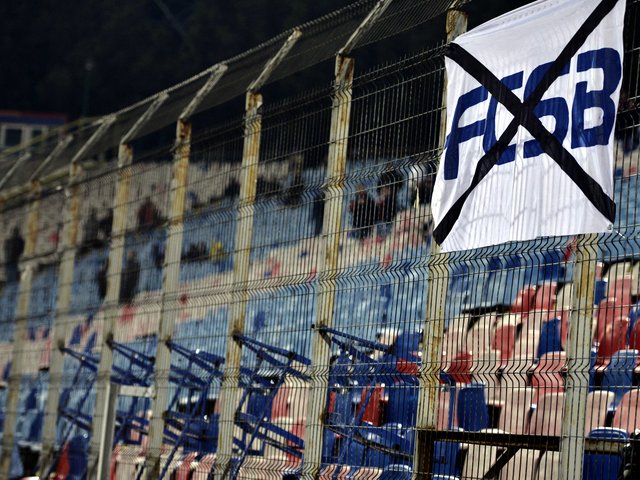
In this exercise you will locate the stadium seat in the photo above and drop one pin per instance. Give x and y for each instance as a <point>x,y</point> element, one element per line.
<point>484,370</point>
<point>620,289</point>
<point>607,311</point>
<point>627,415</point>
<point>460,367</point>
<point>480,458</point>
<point>634,337</point>
<point>550,338</point>
<point>402,404</point>
<point>504,340</point>
<point>547,417</point>
<point>548,374</point>
<point>455,341</point>
<point>602,466</point>
<point>598,404</point>
<point>522,465</point>
<point>618,374</point>
<point>396,472</point>
<point>613,339</point>
<point>545,297</point>
<point>472,410</point>
<point>549,466</point>
<point>524,300</point>
<point>516,409</point>
<point>479,339</point>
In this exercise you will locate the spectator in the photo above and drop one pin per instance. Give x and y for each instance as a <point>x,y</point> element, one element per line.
<point>13,248</point>
<point>101,279</point>
<point>148,215</point>
<point>91,231</point>
<point>317,212</point>
<point>130,276</point>
<point>106,224</point>
<point>363,213</point>
<point>54,237</point>
<point>386,207</point>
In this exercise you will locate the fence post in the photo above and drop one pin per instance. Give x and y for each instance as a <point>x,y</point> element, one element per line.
<point>170,280</point>
<point>330,245</point>
<point>65,281</point>
<point>116,255</point>
<point>433,331</point>
<point>230,391</point>
<point>20,333</point>
<point>578,358</point>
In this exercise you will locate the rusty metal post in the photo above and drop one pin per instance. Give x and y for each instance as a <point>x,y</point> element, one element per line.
<point>65,280</point>
<point>20,332</point>
<point>328,257</point>
<point>438,283</point>
<point>578,358</point>
<point>330,246</point>
<point>114,271</point>
<point>171,277</point>
<point>230,391</point>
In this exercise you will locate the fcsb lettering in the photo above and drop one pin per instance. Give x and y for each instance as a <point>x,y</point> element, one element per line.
<point>606,59</point>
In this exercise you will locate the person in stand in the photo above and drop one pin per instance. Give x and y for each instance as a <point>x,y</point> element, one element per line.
<point>363,213</point>
<point>130,276</point>
<point>13,248</point>
<point>148,215</point>
<point>317,212</point>
<point>91,231</point>
<point>106,224</point>
<point>101,279</point>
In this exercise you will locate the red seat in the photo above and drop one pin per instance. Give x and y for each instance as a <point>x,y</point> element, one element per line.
<point>524,300</point>
<point>627,416</point>
<point>545,298</point>
<point>547,377</point>
<point>620,289</point>
<point>374,411</point>
<point>607,312</point>
<point>504,339</point>
<point>460,368</point>
<point>547,418</point>
<point>634,340</point>
<point>614,338</point>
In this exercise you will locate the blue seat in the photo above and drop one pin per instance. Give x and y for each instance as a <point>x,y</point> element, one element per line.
<point>602,466</point>
<point>549,337</point>
<point>402,404</point>
<point>618,376</point>
<point>445,459</point>
<point>601,291</point>
<point>396,472</point>
<point>473,414</point>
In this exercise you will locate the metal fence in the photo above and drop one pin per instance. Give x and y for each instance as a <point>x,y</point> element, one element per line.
<point>260,298</point>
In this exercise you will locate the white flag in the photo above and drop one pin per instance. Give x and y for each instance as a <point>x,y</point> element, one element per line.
<point>531,105</point>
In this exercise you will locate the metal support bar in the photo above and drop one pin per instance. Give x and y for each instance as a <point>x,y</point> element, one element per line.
<point>171,275</point>
<point>230,389</point>
<point>105,124</point>
<point>371,18</point>
<point>578,358</point>
<point>55,153</point>
<point>328,264</point>
<point>23,158</point>
<point>20,333</point>
<point>274,61</point>
<point>438,283</point>
<point>114,273</point>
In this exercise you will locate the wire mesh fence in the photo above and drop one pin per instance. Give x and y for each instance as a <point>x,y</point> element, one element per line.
<point>262,297</point>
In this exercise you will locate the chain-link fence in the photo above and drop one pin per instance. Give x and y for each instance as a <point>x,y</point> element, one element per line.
<point>260,296</point>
